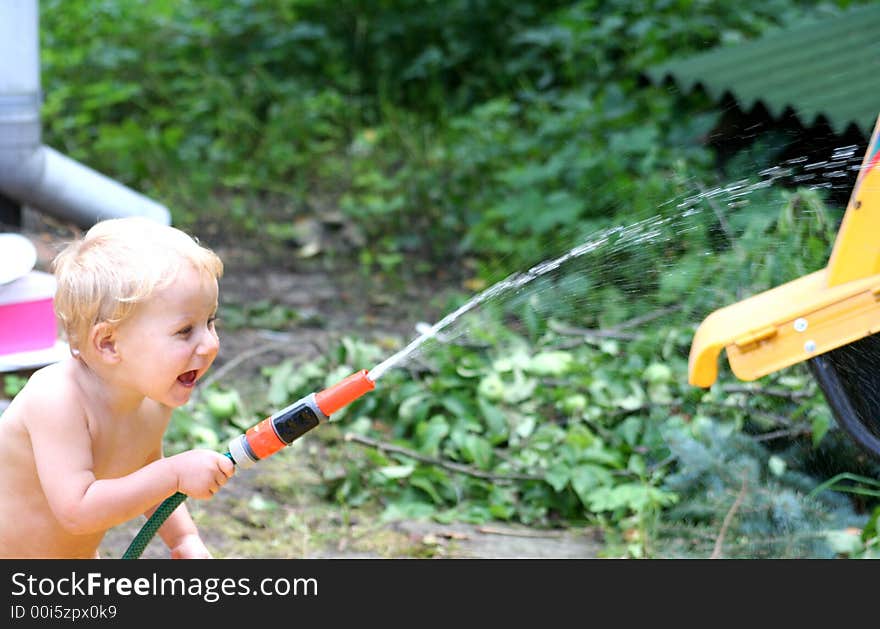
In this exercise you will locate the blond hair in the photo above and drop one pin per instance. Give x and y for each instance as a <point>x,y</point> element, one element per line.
<point>118,264</point>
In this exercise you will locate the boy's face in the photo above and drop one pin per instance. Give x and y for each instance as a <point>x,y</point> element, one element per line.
<point>169,342</point>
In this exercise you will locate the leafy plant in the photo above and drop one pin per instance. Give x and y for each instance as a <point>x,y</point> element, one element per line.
<point>12,384</point>
<point>486,135</point>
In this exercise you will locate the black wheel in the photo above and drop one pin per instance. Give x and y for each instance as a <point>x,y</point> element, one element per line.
<point>849,376</point>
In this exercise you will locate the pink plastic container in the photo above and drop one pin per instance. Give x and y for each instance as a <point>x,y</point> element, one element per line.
<point>27,318</point>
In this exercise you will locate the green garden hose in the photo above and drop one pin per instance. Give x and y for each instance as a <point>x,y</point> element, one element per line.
<point>155,521</point>
<point>264,439</point>
<point>148,531</point>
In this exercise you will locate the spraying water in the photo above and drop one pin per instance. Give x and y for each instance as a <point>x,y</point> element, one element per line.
<point>511,283</point>
<point>825,174</point>
<point>613,259</point>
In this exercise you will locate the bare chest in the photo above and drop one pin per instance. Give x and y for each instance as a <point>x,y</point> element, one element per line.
<point>120,447</point>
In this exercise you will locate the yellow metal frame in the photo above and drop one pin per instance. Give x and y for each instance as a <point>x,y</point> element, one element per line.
<point>811,315</point>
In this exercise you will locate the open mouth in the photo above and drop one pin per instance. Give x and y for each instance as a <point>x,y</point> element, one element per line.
<point>188,378</point>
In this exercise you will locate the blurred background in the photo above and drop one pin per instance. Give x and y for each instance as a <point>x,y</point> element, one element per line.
<point>366,167</point>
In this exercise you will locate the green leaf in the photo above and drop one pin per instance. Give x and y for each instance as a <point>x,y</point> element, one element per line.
<point>456,405</point>
<point>524,426</point>
<point>636,465</point>
<point>630,398</point>
<point>420,482</point>
<point>405,510</point>
<point>820,426</point>
<point>844,542</point>
<point>574,403</point>
<point>657,373</point>
<point>414,408</point>
<point>278,393</point>
<point>477,450</point>
<point>659,393</point>
<point>635,497</point>
<point>496,422</point>
<point>491,387</point>
<point>630,429</point>
<point>258,503</point>
<point>222,404</point>
<point>520,389</point>
<point>518,360</point>
<point>580,437</point>
<point>430,434</point>
<point>777,465</point>
<point>558,476</point>
<point>554,363</point>
<point>597,453</point>
<point>203,437</point>
<point>394,472</point>
<point>13,384</point>
<point>629,402</point>
<point>586,478</point>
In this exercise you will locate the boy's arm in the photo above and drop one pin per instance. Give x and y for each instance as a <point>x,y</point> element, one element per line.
<point>82,503</point>
<point>181,536</point>
<point>179,532</point>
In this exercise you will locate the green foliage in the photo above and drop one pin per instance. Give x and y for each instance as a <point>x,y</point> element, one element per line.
<point>258,314</point>
<point>210,420</point>
<point>541,427</point>
<point>530,419</point>
<point>775,513</point>
<point>494,133</point>
<point>482,128</point>
<point>12,384</point>
<point>864,544</point>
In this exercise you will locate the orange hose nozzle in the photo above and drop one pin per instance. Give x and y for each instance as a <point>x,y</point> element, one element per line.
<point>344,392</point>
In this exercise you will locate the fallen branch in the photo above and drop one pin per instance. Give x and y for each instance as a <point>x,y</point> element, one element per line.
<point>780,420</point>
<point>383,446</point>
<point>719,541</point>
<point>235,362</point>
<point>780,434</point>
<point>534,534</point>
<point>595,333</point>
<point>789,395</point>
<point>645,318</point>
<point>776,418</point>
<point>614,332</point>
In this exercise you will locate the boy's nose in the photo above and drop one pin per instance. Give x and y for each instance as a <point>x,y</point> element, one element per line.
<point>209,343</point>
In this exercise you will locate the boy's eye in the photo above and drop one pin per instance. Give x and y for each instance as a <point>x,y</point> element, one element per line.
<point>185,330</point>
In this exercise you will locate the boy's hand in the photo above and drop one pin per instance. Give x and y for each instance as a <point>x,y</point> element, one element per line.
<point>190,547</point>
<point>201,473</point>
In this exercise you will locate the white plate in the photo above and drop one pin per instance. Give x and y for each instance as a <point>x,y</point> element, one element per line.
<point>17,257</point>
<point>34,359</point>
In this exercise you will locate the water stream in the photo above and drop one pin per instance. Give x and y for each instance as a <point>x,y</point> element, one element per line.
<point>724,201</point>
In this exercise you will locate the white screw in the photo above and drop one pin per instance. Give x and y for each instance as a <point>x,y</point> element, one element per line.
<point>810,347</point>
<point>800,324</point>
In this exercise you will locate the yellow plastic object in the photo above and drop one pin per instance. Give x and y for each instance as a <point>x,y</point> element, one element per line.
<point>811,315</point>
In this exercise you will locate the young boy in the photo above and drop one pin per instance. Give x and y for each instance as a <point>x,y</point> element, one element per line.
<point>81,444</point>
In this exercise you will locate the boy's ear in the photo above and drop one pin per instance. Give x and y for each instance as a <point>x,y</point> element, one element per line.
<point>103,341</point>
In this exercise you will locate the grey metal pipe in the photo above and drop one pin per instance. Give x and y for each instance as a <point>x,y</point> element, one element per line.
<point>34,174</point>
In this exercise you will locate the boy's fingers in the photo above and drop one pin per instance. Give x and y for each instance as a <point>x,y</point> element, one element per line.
<point>227,467</point>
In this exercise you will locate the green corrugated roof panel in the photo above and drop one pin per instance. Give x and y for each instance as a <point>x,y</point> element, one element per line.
<point>828,67</point>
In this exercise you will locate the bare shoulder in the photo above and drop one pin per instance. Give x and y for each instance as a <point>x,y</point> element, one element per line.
<point>49,395</point>
<point>54,374</point>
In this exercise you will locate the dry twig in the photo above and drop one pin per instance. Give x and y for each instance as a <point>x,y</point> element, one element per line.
<point>719,541</point>
<point>383,446</point>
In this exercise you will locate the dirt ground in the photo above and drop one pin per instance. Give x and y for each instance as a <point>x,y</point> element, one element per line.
<point>277,509</point>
